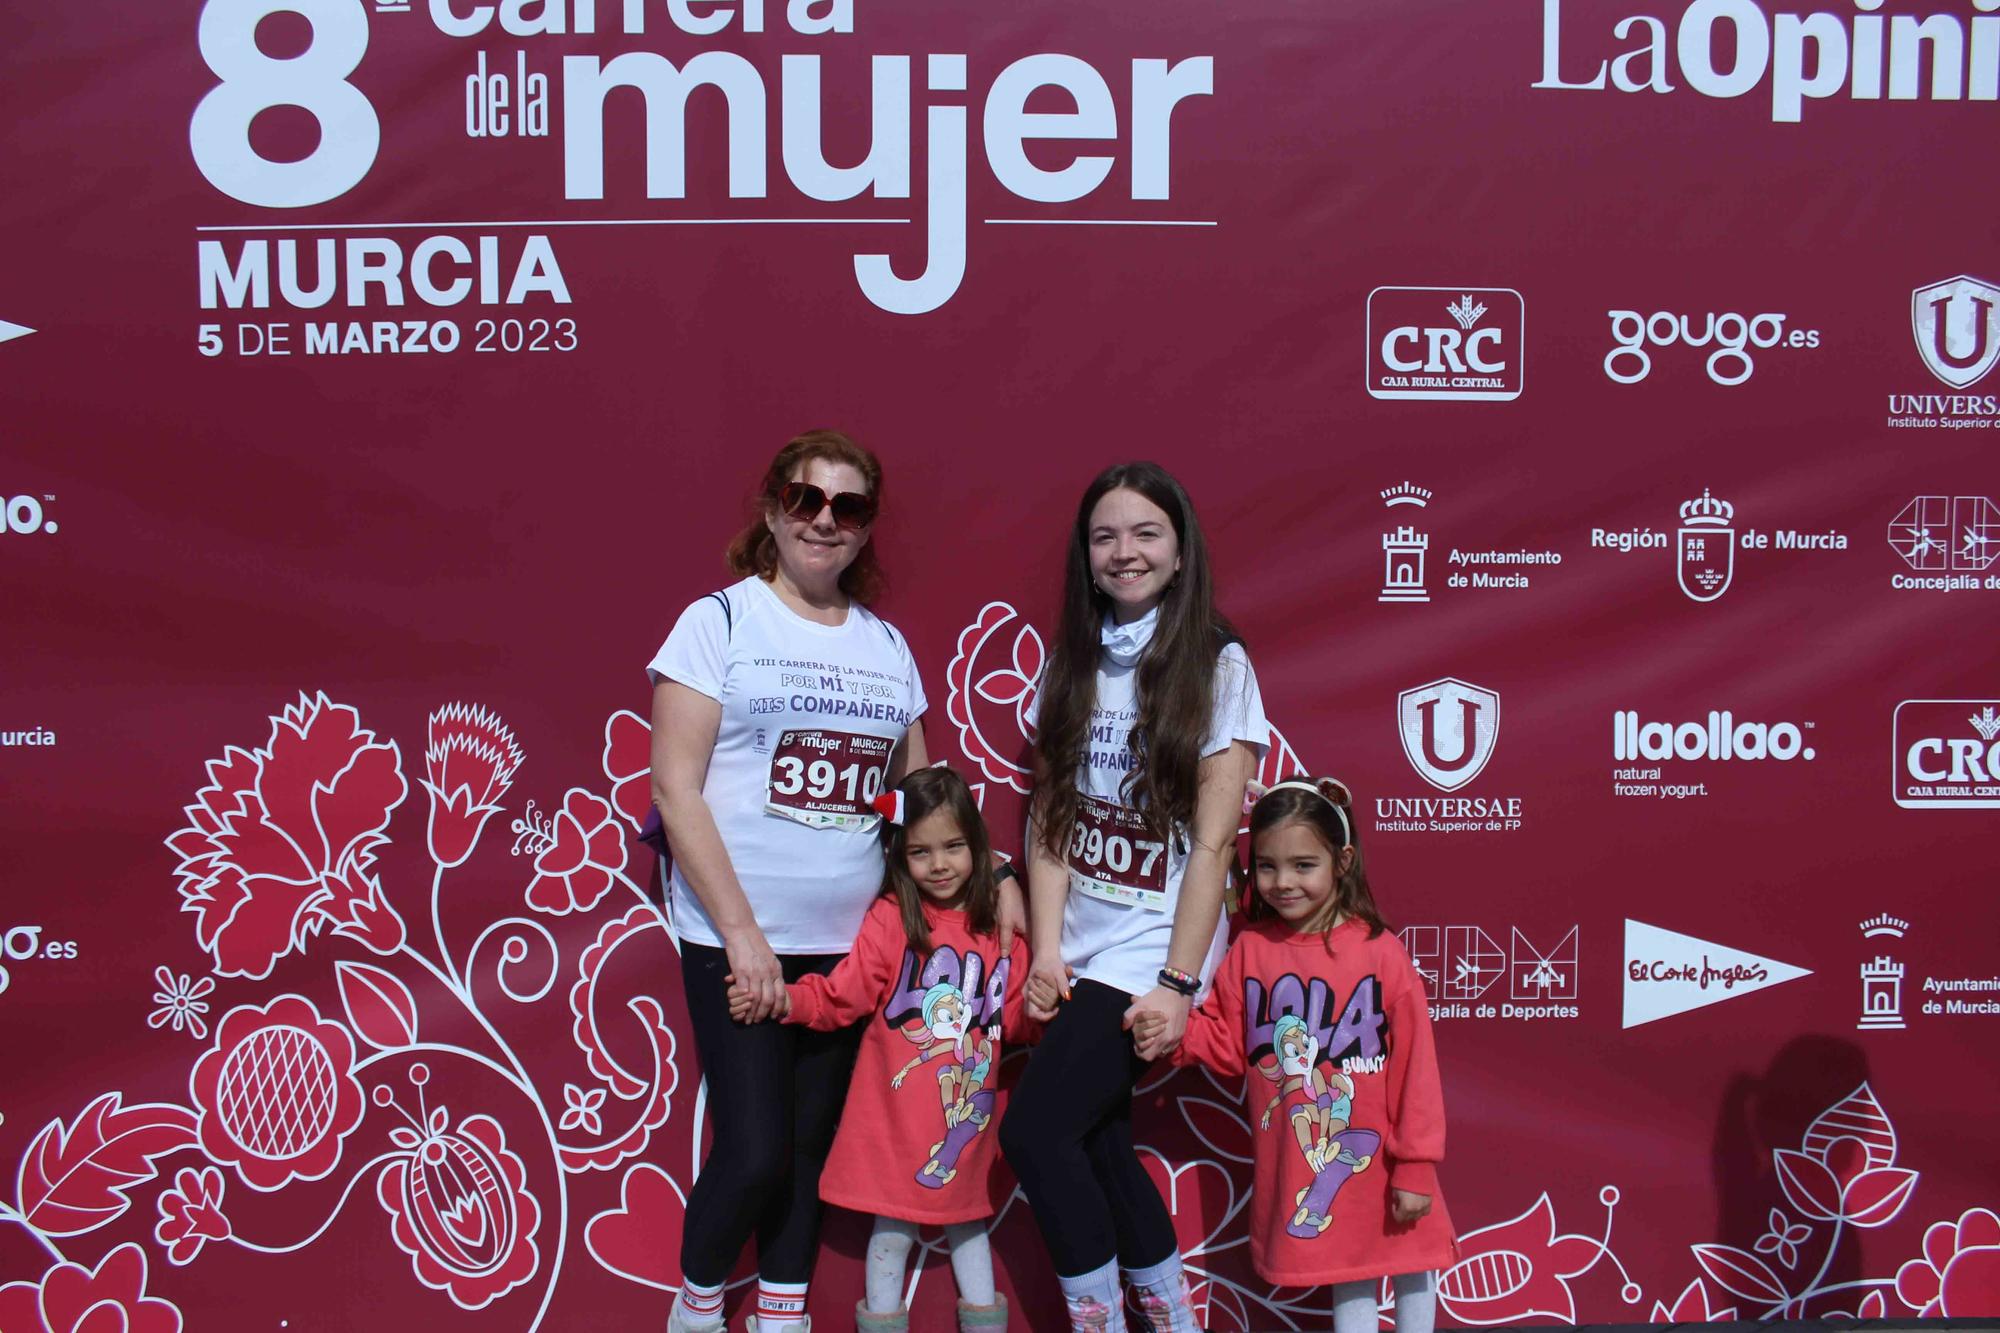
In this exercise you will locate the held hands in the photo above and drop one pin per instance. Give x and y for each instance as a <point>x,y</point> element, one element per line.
<point>1407,1207</point>
<point>754,969</point>
<point>1048,986</point>
<point>741,1004</point>
<point>1157,1020</point>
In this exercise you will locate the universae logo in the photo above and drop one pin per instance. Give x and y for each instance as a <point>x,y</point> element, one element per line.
<point>1449,728</point>
<point>1957,327</point>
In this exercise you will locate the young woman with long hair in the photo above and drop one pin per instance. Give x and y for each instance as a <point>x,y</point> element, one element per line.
<point>1150,725</point>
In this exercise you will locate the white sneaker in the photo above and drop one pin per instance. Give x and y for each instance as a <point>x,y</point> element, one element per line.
<point>750,1324</point>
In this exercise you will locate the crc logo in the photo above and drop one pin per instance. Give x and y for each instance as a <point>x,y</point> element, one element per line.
<point>1947,532</point>
<point>1449,728</point>
<point>1731,335</point>
<point>1957,327</point>
<point>24,514</point>
<point>1947,754</point>
<point>1444,343</point>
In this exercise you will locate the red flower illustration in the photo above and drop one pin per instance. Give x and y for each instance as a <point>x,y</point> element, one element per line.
<point>577,854</point>
<point>460,1207</point>
<point>191,1214</point>
<point>1846,1169</point>
<point>1959,1275</point>
<point>992,681</point>
<point>282,840</point>
<point>73,1299</point>
<point>1691,1308</point>
<point>468,765</point>
<point>277,1093</point>
<point>1517,1271</point>
<point>628,762</point>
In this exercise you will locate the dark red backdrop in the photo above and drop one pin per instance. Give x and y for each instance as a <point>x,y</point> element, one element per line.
<point>254,1028</point>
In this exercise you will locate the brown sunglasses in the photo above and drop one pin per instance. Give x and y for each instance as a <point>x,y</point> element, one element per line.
<point>803,500</point>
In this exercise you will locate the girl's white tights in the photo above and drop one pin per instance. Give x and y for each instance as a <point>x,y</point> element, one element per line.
<point>889,1258</point>
<point>1416,1304</point>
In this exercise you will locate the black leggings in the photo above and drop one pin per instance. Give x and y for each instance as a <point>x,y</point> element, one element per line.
<point>1068,1135</point>
<point>774,1098</point>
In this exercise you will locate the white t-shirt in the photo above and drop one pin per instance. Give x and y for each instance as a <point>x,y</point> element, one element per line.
<point>811,715</point>
<point>1123,884</point>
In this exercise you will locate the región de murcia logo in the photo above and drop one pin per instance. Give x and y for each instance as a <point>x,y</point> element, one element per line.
<point>1706,543</point>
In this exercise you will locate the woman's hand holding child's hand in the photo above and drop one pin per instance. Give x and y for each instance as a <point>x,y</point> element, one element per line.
<point>743,1004</point>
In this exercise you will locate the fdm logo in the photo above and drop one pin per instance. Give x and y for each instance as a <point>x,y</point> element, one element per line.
<point>1444,343</point>
<point>25,514</point>
<point>1947,754</point>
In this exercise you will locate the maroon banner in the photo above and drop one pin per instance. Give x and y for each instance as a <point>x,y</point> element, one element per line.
<point>1583,405</point>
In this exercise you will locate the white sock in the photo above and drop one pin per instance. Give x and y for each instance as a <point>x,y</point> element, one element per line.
<point>701,1304</point>
<point>888,1261</point>
<point>1416,1302</point>
<point>1163,1295</point>
<point>1096,1305</point>
<point>780,1305</point>
<point>971,1261</point>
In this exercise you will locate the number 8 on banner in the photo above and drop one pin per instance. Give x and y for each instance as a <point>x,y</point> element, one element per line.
<point>252,82</point>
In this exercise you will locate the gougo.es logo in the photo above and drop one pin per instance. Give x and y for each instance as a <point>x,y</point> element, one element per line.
<point>1730,337</point>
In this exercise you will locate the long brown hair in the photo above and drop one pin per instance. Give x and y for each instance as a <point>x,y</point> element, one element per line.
<point>1351,895</point>
<point>925,792</point>
<point>1176,677</point>
<point>755,551</point>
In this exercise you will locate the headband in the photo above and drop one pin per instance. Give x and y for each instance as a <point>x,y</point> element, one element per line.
<point>1299,784</point>
<point>890,805</point>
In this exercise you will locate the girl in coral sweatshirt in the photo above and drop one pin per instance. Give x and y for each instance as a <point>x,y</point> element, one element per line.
<point>1322,1003</point>
<point>915,1145</point>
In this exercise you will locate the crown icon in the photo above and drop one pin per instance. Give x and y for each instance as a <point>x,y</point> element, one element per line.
<point>1892,926</point>
<point>1707,512</point>
<point>1406,494</point>
<point>1986,722</point>
<point>1466,311</point>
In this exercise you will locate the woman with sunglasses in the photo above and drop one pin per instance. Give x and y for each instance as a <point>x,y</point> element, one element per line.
<point>781,707</point>
<point>1150,725</point>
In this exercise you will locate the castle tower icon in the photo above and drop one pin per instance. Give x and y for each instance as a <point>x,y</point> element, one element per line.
<point>1403,565</point>
<point>1881,995</point>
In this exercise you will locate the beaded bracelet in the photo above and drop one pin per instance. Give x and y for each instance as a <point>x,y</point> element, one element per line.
<point>1184,982</point>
